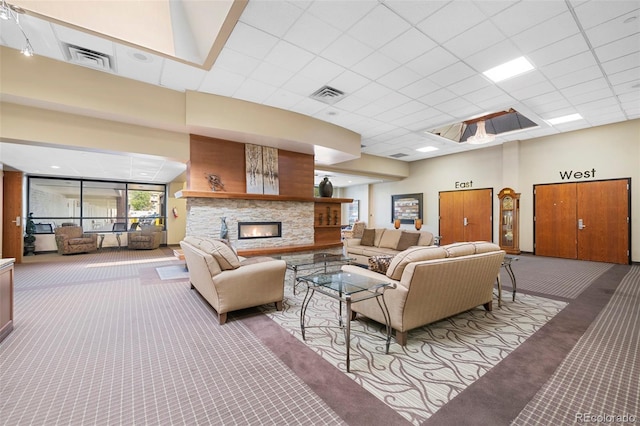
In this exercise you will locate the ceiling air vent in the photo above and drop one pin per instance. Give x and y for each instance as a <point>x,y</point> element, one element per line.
<point>398,155</point>
<point>328,95</point>
<point>88,58</point>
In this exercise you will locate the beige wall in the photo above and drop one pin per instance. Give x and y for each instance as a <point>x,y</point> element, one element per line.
<point>612,150</point>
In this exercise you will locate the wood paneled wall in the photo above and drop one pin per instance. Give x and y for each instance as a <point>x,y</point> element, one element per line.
<point>226,159</point>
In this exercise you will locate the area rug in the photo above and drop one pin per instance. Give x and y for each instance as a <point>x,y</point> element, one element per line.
<point>173,272</point>
<point>439,361</point>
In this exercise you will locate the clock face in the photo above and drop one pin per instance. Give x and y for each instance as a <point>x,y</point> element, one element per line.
<point>507,203</point>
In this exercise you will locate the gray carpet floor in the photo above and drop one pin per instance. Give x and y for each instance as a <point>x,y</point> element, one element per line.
<point>101,339</point>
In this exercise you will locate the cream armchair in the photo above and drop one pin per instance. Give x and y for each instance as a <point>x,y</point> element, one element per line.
<point>72,239</point>
<point>229,282</point>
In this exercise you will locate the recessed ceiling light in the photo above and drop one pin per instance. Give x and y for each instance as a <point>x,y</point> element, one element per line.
<point>55,167</point>
<point>509,69</point>
<point>564,119</point>
<point>427,149</point>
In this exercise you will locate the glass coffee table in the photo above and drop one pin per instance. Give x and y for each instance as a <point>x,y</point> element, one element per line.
<point>313,263</point>
<point>346,288</point>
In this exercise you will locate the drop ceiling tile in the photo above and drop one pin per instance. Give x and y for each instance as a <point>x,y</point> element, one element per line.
<point>304,86</point>
<point>479,37</point>
<point>273,17</point>
<point>375,66</point>
<point>250,41</point>
<point>415,11</point>
<point>342,14</point>
<point>451,20</point>
<point>617,49</point>
<point>490,91</point>
<point>321,70</point>
<point>622,64</point>
<point>500,53</point>
<point>569,65</point>
<point>179,76</point>
<point>348,82</point>
<point>531,90</point>
<point>254,91</point>
<point>221,82</point>
<point>526,14</point>
<point>502,101</point>
<point>408,46</point>
<point>584,75</point>
<point>493,7</point>
<point>308,106</point>
<point>452,74</point>
<point>547,33</point>
<point>378,27</point>
<point>312,34</point>
<point>128,66</point>
<point>439,96</point>
<point>399,78</point>
<point>419,88</point>
<point>373,91</point>
<point>288,56</point>
<point>236,62</point>
<point>271,74</point>
<point>432,61</point>
<point>613,30</point>
<point>352,103</point>
<point>592,13</point>
<point>347,51</point>
<point>582,88</point>
<point>563,49</point>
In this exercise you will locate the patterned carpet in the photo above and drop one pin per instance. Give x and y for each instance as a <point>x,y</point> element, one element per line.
<point>439,361</point>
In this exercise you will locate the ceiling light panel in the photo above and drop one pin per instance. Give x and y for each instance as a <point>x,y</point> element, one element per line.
<point>509,69</point>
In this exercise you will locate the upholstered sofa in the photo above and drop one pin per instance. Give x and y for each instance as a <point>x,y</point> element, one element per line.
<point>148,238</point>
<point>71,239</point>
<point>229,282</point>
<point>382,241</point>
<point>433,283</point>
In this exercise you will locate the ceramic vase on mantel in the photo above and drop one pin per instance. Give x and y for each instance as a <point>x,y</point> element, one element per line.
<point>325,188</point>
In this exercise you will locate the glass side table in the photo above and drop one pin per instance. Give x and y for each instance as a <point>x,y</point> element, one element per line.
<point>346,288</point>
<point>506,264</point>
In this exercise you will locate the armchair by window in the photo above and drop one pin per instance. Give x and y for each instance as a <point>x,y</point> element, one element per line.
<point>72,239</point>
<point>148,238</point>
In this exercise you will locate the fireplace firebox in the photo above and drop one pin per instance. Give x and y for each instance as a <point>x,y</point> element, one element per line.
<point>248,230</point>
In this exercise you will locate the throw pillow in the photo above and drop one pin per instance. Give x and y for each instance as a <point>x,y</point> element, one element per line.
<point>368,237</point>
<point>380,263</point>
<point>224,254</point>
<point>407,239</point>
<point>390,238</point>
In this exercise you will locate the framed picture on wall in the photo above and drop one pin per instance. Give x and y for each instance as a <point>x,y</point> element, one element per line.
<point>406,207</point>
<point>354,212</point>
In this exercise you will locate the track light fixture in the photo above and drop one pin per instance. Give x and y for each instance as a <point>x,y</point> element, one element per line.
<point>9,12</point>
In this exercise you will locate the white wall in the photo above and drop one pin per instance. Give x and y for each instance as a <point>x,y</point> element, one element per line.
<point>613,151</point>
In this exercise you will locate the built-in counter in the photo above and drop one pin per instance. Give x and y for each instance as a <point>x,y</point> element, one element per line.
<point>6,297</point>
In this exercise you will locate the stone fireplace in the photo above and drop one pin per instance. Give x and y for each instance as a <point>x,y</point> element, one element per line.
<point>296,220</point>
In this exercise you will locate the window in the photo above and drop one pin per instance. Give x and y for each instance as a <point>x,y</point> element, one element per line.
<point>98,206</point>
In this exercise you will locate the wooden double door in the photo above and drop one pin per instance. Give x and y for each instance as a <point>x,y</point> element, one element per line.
<point>466,215</point>
<point>583,220</point>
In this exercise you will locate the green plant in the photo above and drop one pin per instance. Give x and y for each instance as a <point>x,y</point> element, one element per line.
<point>30,229</point>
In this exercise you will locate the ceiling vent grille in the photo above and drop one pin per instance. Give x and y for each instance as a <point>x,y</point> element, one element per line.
<point>88,58</point>
<point>328,95</point>
<point>398,155</point>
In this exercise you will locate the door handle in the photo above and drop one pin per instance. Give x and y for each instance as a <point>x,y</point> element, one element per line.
<point>17,221</point>
<point>581,224</point>
<point>465,221</point>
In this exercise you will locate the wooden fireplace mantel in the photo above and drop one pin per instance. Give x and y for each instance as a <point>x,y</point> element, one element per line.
<point>186,193</point>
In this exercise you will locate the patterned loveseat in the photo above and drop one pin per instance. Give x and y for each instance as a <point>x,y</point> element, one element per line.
<point>148,238</point>
<point>72,239</point>
<point>384,242</point>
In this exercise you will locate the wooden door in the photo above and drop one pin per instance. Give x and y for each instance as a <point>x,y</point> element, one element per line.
<point>585,220</point>
<point>466,216</point>
<point>11,209</point>
<point>478,206</point>
<point>555,220</point>
<point>451,212</point>
<point>603,221</point>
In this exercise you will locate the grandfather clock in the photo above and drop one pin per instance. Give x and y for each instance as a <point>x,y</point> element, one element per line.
<point>509,221</point>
